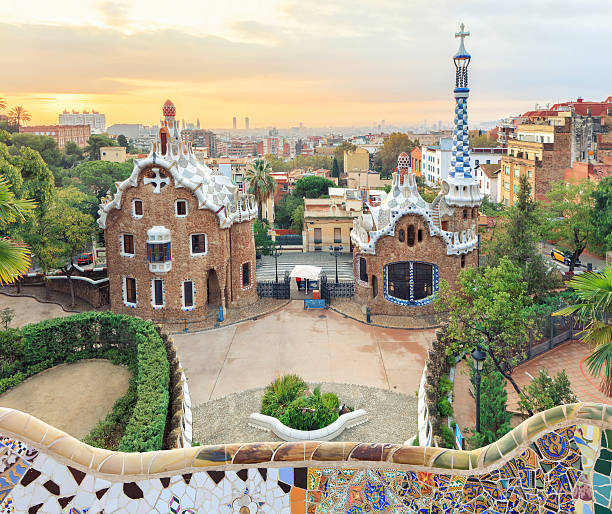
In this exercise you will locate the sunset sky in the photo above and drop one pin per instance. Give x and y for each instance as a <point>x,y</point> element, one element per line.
<point>321,62</point>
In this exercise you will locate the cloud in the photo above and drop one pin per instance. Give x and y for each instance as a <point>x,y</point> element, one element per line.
<point>338,57</point>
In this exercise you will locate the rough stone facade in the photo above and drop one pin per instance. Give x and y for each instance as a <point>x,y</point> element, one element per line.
<point>389,249</point>
<point>222,259</point>
<point>223,275</point>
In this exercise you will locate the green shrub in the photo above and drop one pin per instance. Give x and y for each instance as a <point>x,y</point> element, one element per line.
<point>445,409</point>
<point>280,393</point>
<point>123,339</point>
<point>310,412</point>
<point>448,438</point>
<point>330,400</point>
<point>545,392</point>
<point>11,351</point>
<point>494,418</point>
<point>445,386</point>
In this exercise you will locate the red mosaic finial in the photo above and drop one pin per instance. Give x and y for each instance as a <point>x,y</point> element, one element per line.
<point>168,109</point>
<point>403,163</point>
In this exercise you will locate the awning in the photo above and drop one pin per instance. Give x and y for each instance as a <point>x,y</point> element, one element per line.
<point>307,272</point>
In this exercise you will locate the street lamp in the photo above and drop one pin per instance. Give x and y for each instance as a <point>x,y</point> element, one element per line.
<point>478,357</point>
<point>335,251</point>
<point>277,253</point>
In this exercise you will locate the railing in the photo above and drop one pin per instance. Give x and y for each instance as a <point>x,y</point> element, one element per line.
<point>46,470</point>
<point>329,289</point>
<point>553,331</point>
<point>280,290</point>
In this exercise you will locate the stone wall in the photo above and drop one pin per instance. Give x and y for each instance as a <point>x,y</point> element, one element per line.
<point>556,461</point>
<point>159,209</point>
<point>390,249</point>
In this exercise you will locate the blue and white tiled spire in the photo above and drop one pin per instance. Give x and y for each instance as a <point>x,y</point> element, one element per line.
<point>461,188</point>
<point>460,160</point>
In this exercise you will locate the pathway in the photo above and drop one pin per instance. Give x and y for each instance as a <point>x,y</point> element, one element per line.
<point>319,345</point>
<point>71,397</point>
<point>568,356</point>
<point>28,310</point>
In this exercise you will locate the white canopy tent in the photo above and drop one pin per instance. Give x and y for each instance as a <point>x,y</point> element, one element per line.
<point>306,272</point>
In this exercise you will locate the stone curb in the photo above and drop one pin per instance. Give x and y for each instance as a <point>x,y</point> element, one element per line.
<point>271,424</point>
<point>378,325</point>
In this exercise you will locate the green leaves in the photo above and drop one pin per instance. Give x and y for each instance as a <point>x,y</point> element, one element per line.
<point>545,392</point>
<point>312,186</point>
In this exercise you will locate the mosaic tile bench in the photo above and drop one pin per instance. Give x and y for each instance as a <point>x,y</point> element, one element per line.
<point>557,461</point>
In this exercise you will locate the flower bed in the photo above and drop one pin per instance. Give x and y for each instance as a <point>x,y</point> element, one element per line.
<point>140,416</point>
<point>293,412</point>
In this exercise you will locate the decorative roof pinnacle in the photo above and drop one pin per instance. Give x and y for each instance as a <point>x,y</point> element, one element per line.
<point>462,34</point>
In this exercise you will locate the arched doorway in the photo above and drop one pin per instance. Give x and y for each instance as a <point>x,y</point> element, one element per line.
<point>213,291</point>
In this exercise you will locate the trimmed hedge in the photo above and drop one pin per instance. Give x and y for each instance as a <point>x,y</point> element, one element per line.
<point>98,334</point>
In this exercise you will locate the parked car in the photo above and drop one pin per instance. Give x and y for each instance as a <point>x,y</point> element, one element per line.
<point>564,257</point>
<point>84,259</point>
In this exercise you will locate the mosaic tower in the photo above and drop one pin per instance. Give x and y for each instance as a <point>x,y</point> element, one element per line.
<point>460,160</point>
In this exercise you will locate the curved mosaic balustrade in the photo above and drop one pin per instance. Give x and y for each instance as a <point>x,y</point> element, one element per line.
<point>557,461</point>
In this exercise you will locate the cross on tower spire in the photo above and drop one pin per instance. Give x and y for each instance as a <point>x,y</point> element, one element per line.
<point>462,34</point>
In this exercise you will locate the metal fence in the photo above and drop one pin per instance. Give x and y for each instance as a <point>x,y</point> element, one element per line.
<point>550,332</point>
<point>289,239</point>
<point>329,290</point>
<point>279,290</point>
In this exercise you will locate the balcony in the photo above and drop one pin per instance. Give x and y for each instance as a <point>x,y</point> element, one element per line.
<point>159,251</point>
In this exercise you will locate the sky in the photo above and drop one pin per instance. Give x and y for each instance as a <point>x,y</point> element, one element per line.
<point>282,62</point>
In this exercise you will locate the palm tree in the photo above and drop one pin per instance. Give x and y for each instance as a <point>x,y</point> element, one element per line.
<point>2,104</point>
<point>14,256</point>
<point>18,114</point>
<point>261,183</point>
<point>594,306</point>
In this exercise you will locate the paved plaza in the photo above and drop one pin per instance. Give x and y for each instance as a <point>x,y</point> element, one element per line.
<point>319,345</point>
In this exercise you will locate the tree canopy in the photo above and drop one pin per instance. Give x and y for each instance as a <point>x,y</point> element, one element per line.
<point>516,238</point>
<point>568,217</point>
<point>95,142</point>
<point>312,187</point>
<point>488,309</point>
<point>482,141</point>
<point>601,217</point>
<point>393,145</point>
<point>339,153</point>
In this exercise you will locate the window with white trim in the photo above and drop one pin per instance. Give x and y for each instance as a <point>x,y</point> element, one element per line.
<point>180,208</point>
<point>137,209</point>
<point>188,300</point>
<point>127,245</point>
<point>199,244</point>
<point>130,296</point>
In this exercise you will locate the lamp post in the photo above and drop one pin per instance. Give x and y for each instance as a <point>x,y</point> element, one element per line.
<point>478,357</point>
<point>277,253</point>
<point>335,252</point>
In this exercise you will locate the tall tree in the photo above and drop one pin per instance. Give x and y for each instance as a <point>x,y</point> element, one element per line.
<point>37,177</point>
<point>488,309</point>
<point>122,141</point>
<point>95,142</point>
<point>260,183</point>
<point>516,237</point>
<point>569,216</point>
<point>19,114</point>
<point>594,305</point>
<point>601,217</point>
<point>15,257</point>
<point>70,229</point>
<point>2,104</point>
<point>494,417</point>
<point>394,145</point>
<point>335,171</point>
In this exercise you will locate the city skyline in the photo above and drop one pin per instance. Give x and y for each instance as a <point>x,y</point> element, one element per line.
<point>280,64</point>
